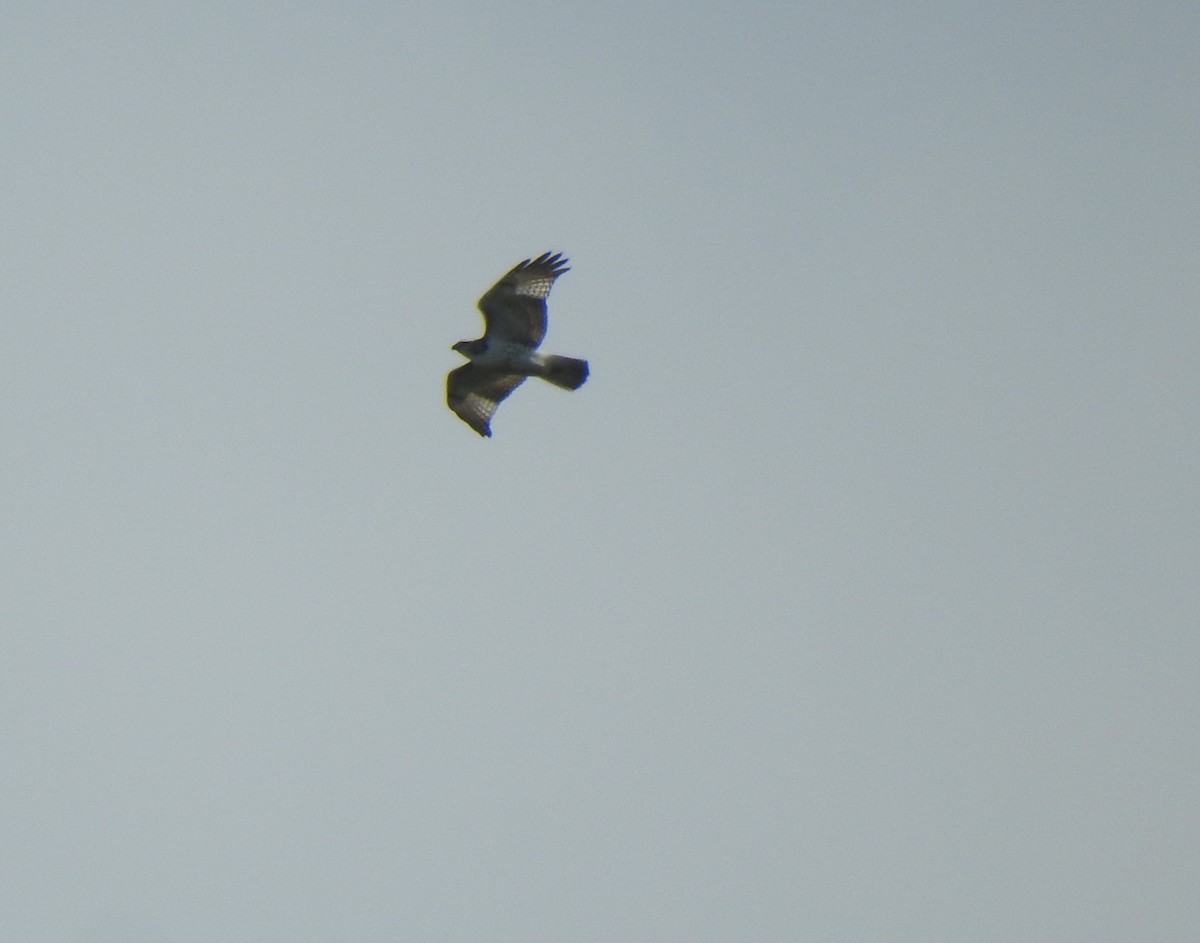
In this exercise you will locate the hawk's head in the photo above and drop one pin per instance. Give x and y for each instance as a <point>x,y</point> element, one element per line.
<point>471,349</point>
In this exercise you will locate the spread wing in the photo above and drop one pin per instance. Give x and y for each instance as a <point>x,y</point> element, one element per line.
<point>474,394</point>
<point>514,309</point>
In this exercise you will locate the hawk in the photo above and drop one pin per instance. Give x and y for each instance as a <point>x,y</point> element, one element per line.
<point>514,323</point>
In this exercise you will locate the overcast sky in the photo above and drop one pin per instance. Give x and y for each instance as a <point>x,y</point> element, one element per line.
<point>854,598</point>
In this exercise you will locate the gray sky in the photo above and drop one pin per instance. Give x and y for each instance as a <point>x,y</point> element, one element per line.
<point>853,598</point>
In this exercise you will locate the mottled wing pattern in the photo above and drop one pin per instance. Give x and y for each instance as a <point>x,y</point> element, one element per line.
<point>474,394</point>
<point>514,309</point>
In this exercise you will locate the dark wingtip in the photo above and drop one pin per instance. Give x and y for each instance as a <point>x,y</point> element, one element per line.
<point>555,261</point>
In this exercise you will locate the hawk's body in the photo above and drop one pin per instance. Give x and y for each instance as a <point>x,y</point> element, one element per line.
<point>514,317</point>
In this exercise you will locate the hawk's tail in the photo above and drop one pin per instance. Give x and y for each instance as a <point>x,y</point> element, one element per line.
<point>566,372</point>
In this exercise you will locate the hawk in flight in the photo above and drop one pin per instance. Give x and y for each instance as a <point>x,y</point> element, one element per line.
<point>514,320</point>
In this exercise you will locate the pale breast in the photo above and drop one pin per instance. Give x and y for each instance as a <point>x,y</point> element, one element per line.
<point>506,356</point>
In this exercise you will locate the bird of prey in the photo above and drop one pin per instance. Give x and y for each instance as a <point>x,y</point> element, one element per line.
<point>514,321</point>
